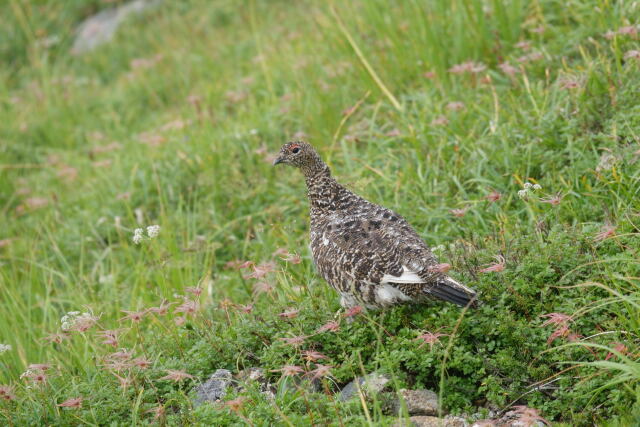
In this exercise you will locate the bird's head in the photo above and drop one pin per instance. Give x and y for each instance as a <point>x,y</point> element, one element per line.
<point>299,154</point>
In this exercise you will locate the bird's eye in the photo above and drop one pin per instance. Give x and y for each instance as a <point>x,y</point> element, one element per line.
<point>295,150</point>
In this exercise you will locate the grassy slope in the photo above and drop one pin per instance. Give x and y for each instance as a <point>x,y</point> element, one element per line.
<point>223,83</point>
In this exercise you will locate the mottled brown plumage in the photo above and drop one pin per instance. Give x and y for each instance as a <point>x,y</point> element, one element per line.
<point>368,253</point>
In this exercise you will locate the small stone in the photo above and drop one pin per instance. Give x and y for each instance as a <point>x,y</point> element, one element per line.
<point>215,388</point>
<point>101,27</point>
<point>251,374</point>
<point>256,375</point>
<point>428,421</point>
<point>371,383</point>
<point>418,402</point>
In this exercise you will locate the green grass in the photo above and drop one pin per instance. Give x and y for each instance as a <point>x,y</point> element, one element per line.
<point>222,85</point>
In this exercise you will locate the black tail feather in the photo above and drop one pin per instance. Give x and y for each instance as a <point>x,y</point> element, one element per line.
<point>449,290</point>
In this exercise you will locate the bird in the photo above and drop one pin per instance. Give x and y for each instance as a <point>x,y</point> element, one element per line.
<point>369,254</point>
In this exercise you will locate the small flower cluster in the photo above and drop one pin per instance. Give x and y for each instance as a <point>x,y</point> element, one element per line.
<point>76,321</point>
<point>528,189</point>
<point>5,348</point>
<point>7,392</point>
<point>36,373</point>
<point>138,233</point>
<point>561,322</point>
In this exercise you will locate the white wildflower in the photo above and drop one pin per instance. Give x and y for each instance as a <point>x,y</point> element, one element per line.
<point>72,318</point>
<point>26,373</point>
<point>153,230</point>
<point>5,347</point>
<point>137,236</point>
<point>438,248</point>
<point>528,189</point>
<point>253,132</point>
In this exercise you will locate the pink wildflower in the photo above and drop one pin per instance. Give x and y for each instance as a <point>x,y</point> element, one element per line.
<point>430,338</point>
<point>75,402</point>
<point>313,356</point>
<point>290,314</point>
<point>262,287</point>
<point>632,54</point>
<point>439,268</point>
<point>110,337</point>
<point>57,337</point>
<point>496,267</point>
<point>629,30</point>
<point>280,252</point>
<point>561,331</point>
<point>605,233</point>
<point>125,382</point>
<point>330,326</point>
<point>552,200</point>
<point>175,375</point>
<point>468,67</point>
<point>508,69</point>
<point>353,311</point>
<point>619,347</point>
<point>83,323</point>
<point>259,271</point>
<point>493,197</point>
<point>6,392</point>
<point>245,308</point>
<point>556,319</point>
<point>295,341</point>
<point>237,264</point>
<point>162,309</point>
<point>289,370</point>
<point>194,290</point>
<point>36,376</point>
<point>293,258</point>
<point>187,307</point>
<point>134,316</point>
<point>141,362</point>
<point>320,371</point>
<point>39,366</point>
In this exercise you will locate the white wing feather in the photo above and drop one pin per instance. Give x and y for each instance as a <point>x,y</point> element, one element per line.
<point>407,276</point>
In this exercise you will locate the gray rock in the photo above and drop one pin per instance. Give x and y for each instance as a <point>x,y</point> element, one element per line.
<point>509,419</point>
<point>370,384</point>
<point>101,27</point>
<point>215,388</point>
<point>427,421</point>
<point>418,402</point>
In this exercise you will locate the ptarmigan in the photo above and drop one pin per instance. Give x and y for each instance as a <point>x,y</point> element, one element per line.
<point>368,253</point>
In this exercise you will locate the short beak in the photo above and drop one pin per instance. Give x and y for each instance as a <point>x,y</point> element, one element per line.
<point>278,160</point>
